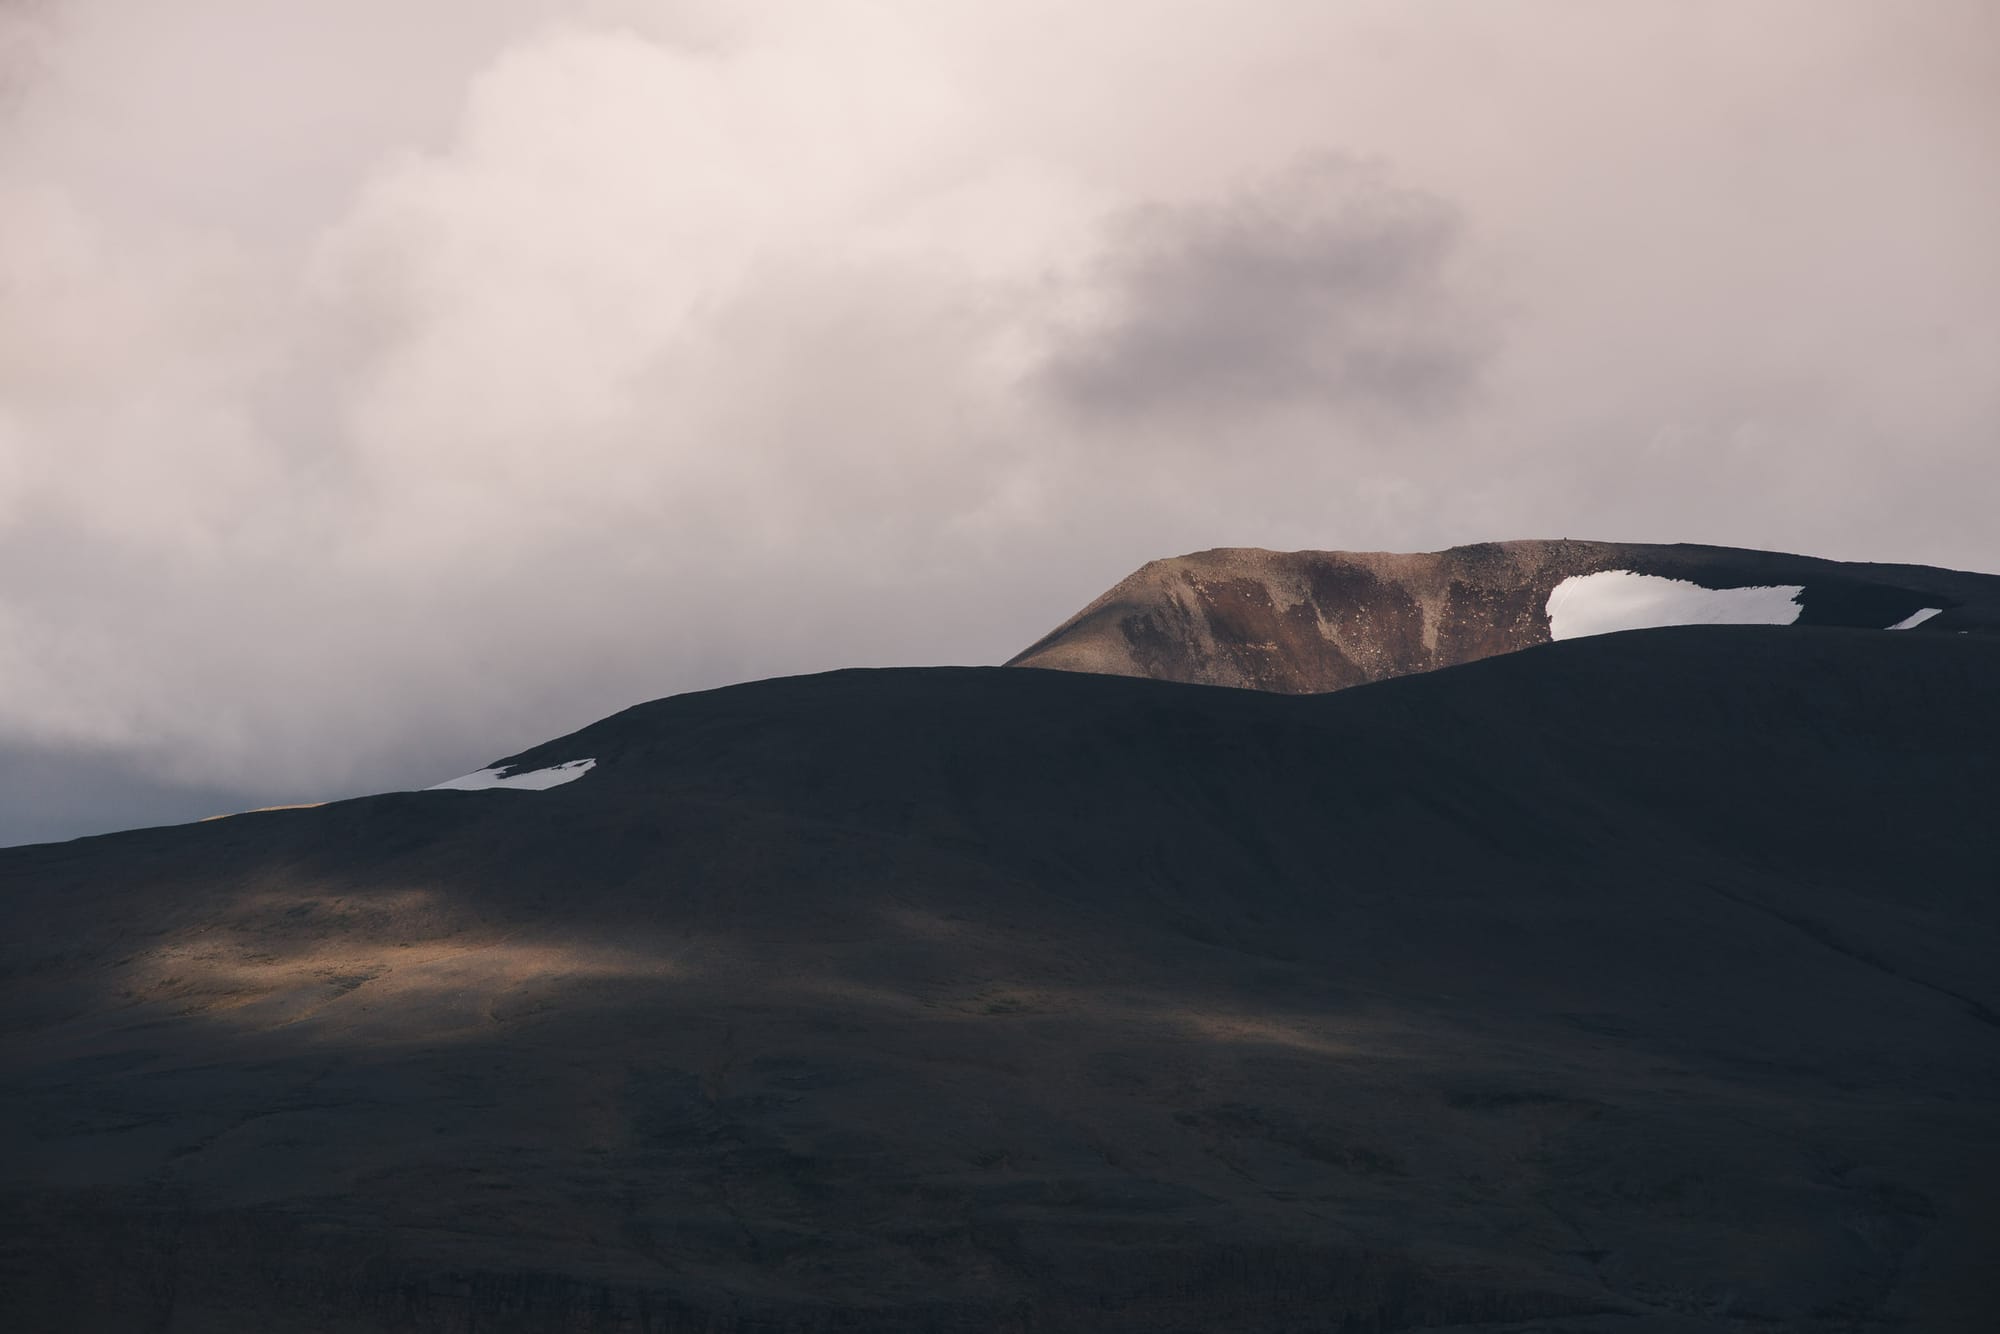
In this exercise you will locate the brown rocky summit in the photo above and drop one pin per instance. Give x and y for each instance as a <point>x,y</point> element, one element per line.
<point>1302,622</point>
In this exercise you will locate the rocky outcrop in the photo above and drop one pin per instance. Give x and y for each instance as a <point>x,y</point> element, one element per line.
<point>1302,622</point>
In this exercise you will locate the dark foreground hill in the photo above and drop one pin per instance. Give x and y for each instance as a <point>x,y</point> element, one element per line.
<point>1299,622</point>
<point>1637,983</point>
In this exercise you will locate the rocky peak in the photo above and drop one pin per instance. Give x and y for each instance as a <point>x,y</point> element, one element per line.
<point>1300,622</point>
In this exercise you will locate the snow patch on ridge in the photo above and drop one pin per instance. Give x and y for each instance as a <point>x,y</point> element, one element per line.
<point>1597,604</point>
<point>1916,618</point>
<point>535,780</point>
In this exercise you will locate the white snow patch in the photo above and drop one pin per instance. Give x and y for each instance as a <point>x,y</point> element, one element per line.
<point>535,780</point>
<point>1916,618</point>
<point>1597,604</point>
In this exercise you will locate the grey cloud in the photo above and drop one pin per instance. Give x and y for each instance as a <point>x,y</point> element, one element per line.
<point>48,794</point>
<point>23,32</point>
<point>1329,286</point>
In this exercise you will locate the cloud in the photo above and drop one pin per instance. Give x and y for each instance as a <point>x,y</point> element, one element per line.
<point>23,31</point>
<point>610,349</point>
<point>596,398</point>
<point>1327,285</point>
<point>61,793</point>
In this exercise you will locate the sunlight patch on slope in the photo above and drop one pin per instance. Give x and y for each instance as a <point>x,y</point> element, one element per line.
<point>377,991</point>
<point>1597,604</point>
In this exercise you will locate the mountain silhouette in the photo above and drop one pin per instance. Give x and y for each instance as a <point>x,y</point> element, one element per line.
<point>1637,982</point>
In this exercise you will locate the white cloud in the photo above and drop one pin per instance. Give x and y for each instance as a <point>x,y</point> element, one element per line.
<point>713,340</point>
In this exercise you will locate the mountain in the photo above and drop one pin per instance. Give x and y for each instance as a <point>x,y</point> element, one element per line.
<point>1300,622</point>
<point>1636,983</point>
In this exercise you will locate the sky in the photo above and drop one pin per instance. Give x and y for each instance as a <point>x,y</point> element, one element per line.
<point>385,388</point>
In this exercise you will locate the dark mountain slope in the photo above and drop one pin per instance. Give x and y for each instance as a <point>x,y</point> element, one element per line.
<point>1299,622</point>
<point>1637,983</point>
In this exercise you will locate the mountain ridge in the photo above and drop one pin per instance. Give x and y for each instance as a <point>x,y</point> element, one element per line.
<point>1308,621</point>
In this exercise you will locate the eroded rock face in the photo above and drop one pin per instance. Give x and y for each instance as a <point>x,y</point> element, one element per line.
<point>1302,622</point>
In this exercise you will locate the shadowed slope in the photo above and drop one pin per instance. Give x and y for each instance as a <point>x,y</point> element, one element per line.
<point>1299,622</point>
<point>1640,981</point>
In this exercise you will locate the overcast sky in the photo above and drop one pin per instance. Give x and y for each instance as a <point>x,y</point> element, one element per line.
<point>385,386</point>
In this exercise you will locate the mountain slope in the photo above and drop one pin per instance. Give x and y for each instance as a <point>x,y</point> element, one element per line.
<point>1300,622</point>
<point>1638,982</point>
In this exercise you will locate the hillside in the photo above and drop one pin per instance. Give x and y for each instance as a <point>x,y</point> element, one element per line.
<point>1632,983</point>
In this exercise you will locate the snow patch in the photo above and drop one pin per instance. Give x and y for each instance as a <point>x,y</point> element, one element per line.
<point>535,780</point>
<point>1597,604</point>
<point>1916,618</point>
